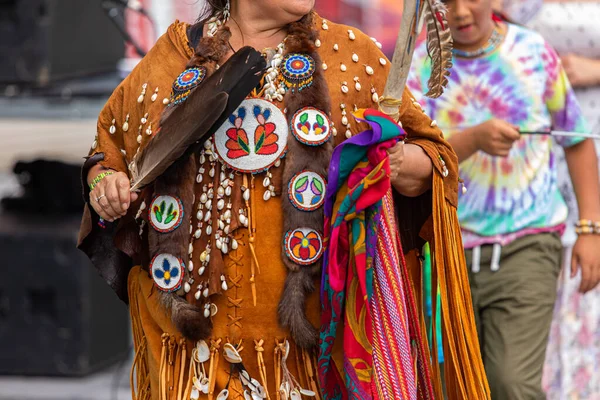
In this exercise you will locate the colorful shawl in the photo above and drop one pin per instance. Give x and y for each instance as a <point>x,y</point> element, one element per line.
<point>365,286</point>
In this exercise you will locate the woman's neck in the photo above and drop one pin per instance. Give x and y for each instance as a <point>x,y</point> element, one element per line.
<point>249,27</point>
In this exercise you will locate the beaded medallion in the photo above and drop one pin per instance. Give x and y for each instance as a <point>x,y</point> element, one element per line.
<point>167,272</point>
<point>297,71</point>
<point>303,246</point>
<point>311,127</point>
<point>165,213</point>
<point>306,191</point>
<point>253,138</point>
<point>185,82</point>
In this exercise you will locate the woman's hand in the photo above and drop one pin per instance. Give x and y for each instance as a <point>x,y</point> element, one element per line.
<point>111,197</point>
<point>410,169</point>
<point>396,157</point>
<point>586,256</point>
<point>581,71</point>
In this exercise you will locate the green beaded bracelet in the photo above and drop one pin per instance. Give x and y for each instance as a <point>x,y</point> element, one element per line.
<point>99,177</point>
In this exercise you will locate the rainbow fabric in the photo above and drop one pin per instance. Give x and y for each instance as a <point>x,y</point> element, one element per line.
<point>523,83</point>
<point>368,308</point>
<point>427,290</point>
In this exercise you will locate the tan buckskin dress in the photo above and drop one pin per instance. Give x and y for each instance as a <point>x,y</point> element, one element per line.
<point>162,362</point>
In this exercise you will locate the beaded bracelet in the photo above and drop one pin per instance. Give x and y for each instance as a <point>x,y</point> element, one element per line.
<point>99,177</point>
<point>586,226</point>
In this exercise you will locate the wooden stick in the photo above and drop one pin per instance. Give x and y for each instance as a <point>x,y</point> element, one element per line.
<point>391,100</point>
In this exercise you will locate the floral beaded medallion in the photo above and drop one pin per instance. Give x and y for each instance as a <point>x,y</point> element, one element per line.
<point>167,272</point>
<point>254,137</point>
<point>303,246</point>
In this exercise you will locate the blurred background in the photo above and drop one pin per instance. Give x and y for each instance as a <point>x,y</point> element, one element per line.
<point>63,333</point>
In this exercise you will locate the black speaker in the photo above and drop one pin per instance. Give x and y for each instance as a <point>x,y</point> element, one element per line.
<point>57,316</point>
<point>42,41</point>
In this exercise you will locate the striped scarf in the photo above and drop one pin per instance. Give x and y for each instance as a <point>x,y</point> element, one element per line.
<point>366,296</point>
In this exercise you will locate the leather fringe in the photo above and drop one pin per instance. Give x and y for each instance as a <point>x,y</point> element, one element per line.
<point>139,378</point>
<point>464,372</point>
<point>178,368</point>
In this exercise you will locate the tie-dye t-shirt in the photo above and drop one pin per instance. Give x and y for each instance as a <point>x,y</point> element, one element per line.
<point>523,83</point>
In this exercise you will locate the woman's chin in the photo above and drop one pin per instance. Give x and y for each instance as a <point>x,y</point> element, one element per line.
<point>299,7</point>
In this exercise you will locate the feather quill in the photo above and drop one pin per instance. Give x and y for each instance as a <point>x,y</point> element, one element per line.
<point>439,46</point>
<point>188,125</point>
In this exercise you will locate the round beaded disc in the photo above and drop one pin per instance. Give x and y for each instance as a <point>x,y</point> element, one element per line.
<point>311,127</point>
<point>189,79</point>
<point>306,191</point>
<point>165,213</point>
<point>167,272</point>
<point>254,137</point>
<point>303,246</point>
<point>297,67</point>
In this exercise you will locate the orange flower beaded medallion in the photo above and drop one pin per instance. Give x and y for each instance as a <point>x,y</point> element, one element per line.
<point>303,246</point>
<point>254,137</point>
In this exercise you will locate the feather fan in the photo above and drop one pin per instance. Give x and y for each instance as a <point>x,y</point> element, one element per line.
<point>439,46</point>
<point>187,126</point>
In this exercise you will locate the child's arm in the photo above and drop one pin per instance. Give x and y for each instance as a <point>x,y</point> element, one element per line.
<point>583,168</point>
<point>582,71</point>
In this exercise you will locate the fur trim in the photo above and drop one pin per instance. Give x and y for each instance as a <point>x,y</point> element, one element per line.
<point>187,317</point>
<point>299,282</point>
<point>291,310</point>
<point>210,50</point>
<point>175,182</point>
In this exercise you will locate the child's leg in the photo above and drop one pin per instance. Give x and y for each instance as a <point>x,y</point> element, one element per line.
<point>516,305</point>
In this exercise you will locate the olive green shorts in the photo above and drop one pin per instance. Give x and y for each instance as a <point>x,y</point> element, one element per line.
<point>513,310</point>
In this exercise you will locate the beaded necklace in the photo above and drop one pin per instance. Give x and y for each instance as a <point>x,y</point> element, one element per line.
<point>491,45</point>
<point>272,89</point>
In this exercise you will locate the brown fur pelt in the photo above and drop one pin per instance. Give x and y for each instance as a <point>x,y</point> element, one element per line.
<point>178,181</point>
<point>187,318</point>
<point>299,282</point>
<point>211,50</point>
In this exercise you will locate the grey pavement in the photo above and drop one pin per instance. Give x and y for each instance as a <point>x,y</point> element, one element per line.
<point>57,129</point>
<point>111,384</point>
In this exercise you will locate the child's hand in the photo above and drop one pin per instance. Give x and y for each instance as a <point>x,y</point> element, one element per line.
<point>496,137</point>
<point>586,257</point>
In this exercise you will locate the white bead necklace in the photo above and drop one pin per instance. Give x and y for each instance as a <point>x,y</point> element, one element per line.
<point>274,88</point>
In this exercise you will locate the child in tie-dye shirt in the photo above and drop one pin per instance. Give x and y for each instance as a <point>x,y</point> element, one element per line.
<point>506,80</point>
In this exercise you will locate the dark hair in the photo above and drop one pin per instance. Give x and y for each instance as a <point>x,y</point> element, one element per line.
<point>211,9</point>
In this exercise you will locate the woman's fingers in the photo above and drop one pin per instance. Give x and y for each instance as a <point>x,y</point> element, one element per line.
<point>108,209</point>
<point>112,194</point>
<point>98,208</point>
<point>100,198</point>
<point>122,185</point>
<point>111,198</point>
